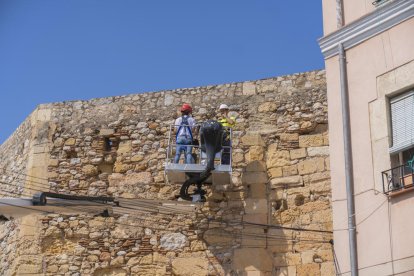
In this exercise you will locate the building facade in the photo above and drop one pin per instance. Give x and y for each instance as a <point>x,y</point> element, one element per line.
<point>368,48</point>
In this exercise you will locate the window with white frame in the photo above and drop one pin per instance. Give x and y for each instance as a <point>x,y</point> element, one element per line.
<point>402,128</point>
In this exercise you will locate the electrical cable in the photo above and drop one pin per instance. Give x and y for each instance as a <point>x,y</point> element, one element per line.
<point>175,210</point>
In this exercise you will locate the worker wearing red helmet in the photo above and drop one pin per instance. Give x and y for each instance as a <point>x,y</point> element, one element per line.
<point>184,126</point>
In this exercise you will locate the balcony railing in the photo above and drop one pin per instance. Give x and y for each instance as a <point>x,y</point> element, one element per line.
<point>398,179</point>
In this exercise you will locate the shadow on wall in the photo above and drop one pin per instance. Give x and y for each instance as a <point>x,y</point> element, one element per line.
<point>242,237</point>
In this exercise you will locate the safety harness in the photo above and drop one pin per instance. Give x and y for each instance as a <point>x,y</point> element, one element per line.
<point>184,124</point>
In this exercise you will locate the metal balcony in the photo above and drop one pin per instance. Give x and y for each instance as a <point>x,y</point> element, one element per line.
<point>398,179</point>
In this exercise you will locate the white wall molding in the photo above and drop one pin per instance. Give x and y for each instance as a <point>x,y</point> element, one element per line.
<point>382,19</point>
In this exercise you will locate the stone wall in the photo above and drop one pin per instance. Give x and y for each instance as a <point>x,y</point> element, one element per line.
<point>117,146</point>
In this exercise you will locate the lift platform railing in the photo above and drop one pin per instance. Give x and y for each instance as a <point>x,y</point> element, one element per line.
<point>196,148</point>
<point>398,178</point>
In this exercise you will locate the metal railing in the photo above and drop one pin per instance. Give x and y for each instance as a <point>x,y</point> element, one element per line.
<point>398,178</point>
<point>196,148</point>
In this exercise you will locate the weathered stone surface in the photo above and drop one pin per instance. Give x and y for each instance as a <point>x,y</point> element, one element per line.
<point>252,139</point>
<point>327,269</point>
<point>118,261</point>
<point>311,165</point>
<point>288,137</point>
<point>249,88</point>
<point>290,170</point>
<point>255,206</point>
<point>290,180</point>
<point>318,151</point>
<point>106,132</point>
<point>90,170</point>
<point>249,178</point>
<point>277,158</point>
<point>218,237</point>
<point>256,166</point>
<point>105,257</point>
<point>275,172</point>
<point>255,153</point>
<point>190,266</point>
<point>297,153</point>
<point>124,147</point>
<point>315,140</point>
<point>173,241</point>
<point>70,142</point>
<point>308,270</point>
<point>110,271</point>
<point>252,260</point>
<point>268,107</point>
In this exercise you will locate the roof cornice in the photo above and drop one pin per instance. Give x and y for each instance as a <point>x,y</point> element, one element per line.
<point>356,32</point>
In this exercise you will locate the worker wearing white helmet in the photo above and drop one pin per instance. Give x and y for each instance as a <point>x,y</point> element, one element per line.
<point>228,122</point>
<point>224,117</point>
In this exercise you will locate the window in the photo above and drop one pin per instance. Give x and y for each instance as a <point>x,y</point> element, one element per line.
<point>402,127</point>
<point>401,176</point>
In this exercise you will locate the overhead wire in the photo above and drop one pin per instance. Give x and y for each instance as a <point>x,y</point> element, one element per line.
<point>252,236</point>
<point>148,204</point>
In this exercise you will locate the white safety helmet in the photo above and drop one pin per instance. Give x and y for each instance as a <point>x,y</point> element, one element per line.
<point>223,106</point>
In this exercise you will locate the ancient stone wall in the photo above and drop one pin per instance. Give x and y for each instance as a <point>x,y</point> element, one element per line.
<point>117,146</point>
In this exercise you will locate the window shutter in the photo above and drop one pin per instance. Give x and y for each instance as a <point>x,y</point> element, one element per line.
<point>402,122</point>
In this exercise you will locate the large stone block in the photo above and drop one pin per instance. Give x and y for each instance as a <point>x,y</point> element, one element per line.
<point>255,218</point>
<point>277,158</point>
<point>315,140</point>
<point>289,181</point>
<point>248,259</point>
<point>290,170</point>
<point>256,166</point>
<point>173,241</point>
<point>311,165</point>
<point>256,190</point>
<point>255,206</point>
<point>252,139</point>
<point>297,153</point>
<point>250,234</point>
<point>275,172</point>
<point>219,237</point>
<point>255,153</point>
<point>318,151</point>
<point>190,266</point>
<point>289,137</point>
<point>249,178</point>
<point>106,132</point>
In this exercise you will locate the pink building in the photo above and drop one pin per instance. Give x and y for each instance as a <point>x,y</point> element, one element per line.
<point>369,56</point>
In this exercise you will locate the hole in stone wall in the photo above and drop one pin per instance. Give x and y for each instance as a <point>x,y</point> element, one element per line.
<point>108,144</point>
<point>105,168</point>
<point>71,154</point>
<point>299,200</point>
<point>280,204</point>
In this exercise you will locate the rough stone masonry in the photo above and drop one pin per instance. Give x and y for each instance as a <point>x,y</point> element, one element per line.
<point>117,147</point>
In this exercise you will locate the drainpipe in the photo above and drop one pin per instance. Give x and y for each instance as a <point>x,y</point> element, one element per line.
<point>339,13</point>
<point>349,174</point>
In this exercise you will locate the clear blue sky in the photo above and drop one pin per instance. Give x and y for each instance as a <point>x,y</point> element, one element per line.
<point>56,50</point>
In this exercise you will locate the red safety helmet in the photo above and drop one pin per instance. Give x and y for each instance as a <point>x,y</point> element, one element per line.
<point>186,108</point>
